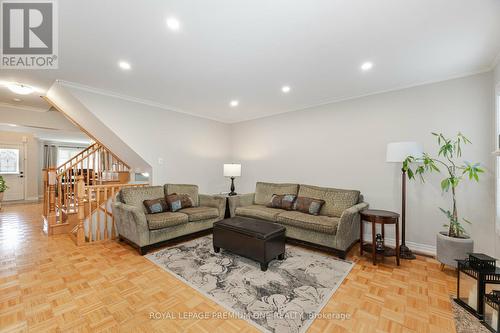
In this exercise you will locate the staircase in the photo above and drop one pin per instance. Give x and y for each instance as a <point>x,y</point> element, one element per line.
<point>78,195</point>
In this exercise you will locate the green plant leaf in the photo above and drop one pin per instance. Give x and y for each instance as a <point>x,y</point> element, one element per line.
<point>454,181</point>
<point>445,184</point>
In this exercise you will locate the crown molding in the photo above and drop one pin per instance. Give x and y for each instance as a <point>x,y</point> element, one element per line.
<point>379,92</point>
<point>301,108</point>
<point>23,107</point>
<point>133,99</point>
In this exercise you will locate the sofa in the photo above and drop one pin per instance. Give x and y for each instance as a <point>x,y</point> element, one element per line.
<point>145,231</point>
<point>335,229</point>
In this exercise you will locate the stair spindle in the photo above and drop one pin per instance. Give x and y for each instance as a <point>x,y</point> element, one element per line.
<point>105,213</point>
<point>80,235</point>
<point>98,215</point>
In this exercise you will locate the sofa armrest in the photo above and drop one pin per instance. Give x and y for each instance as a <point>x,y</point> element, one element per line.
<point>215,201</point>
<point>131,223</point>
<point>348,228</point>
<point>240,200</point>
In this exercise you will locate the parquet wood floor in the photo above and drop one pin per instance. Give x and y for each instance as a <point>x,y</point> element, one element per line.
<point>49,284</point>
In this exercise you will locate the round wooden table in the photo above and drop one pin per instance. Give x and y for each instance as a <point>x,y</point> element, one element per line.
<point>381,217</point>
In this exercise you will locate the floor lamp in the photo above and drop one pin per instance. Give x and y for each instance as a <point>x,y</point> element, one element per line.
<point>397,152</point>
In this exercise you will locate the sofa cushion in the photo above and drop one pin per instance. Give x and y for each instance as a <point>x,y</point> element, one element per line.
<point>165,220</point>
<point>155,206</point>
<point>336,200</point>
<point>264,191</point>
<point>324,224</point>
<point>191,190</point>
<point>259,212</point>
<point>308,205</point>
<point>135,196</point>
<point>200,213</point>
<point>178,201</point>
<point>282,201</point>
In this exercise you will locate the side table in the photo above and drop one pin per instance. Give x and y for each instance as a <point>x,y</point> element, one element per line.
<point>381,217</point>
<point>227,213</point>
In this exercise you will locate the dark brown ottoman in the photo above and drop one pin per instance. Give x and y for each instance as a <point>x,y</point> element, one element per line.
<point>259,240</point>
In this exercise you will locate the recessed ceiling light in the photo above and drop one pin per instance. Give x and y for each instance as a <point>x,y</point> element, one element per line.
<point>234,103</point>
<point>17,99</point>
<point>366,66</point>
<point>285,89</point>
<point>173,24</point>
<point>124,65</point>
<point>20,89</point>
<point>12,125</point>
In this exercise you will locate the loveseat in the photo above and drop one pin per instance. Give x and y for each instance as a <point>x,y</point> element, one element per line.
<point>144,230</point>
<point>336,228</point>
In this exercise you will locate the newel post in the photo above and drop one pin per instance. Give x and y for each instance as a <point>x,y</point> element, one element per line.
<point>80,190</point>
<point>51,181</point>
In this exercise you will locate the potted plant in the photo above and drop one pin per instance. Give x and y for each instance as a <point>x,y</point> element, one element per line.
<point>3,187</point>
<point>455,243</point>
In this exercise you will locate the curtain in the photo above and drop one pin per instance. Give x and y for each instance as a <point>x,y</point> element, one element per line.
<point>49,156</point>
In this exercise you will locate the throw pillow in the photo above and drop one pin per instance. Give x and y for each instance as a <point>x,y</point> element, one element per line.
<point>282,201</point>
<point>308,205</point>
<point>179,201</point>
<point>156,205</point>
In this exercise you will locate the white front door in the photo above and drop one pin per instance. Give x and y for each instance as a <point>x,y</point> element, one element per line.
<point>12,170</point>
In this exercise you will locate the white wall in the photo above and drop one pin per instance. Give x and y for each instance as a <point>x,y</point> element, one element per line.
<point>496,86</point>
<point>64,99</point>
<point>62,129</point>
<point>343,145</point>
<point>193,149</point>
<point>496,72</point>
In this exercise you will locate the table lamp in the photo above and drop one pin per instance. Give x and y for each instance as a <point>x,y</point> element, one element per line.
<point>397,152</point>
<point>232,171</point>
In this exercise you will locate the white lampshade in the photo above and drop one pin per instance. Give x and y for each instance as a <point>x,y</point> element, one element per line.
<point>232,170</point>
<point>399,151</point>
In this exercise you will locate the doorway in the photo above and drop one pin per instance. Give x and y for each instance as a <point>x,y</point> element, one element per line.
<point>12,170</point>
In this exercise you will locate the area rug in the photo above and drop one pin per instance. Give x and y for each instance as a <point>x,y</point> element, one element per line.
<point>466,322</point>
<point>285,299</point>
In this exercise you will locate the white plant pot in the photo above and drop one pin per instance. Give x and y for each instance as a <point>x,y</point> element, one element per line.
<point>448,249</point>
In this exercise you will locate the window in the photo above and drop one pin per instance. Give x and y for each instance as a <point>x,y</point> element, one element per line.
<point>66,153</point>
<point>9,161</point>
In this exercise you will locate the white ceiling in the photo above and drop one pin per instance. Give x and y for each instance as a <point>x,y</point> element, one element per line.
<point>248,49</point>
<point>48,134</point>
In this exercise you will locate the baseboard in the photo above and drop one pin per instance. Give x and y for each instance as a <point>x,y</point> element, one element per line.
<point>425,249</point>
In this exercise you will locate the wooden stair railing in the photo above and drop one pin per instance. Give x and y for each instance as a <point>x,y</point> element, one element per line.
<point>64,166</point>
<point>98,166</point>
<point>95,212</point>
<point>93,168</point>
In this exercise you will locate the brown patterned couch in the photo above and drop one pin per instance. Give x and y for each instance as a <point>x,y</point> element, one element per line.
<point>336,228</point>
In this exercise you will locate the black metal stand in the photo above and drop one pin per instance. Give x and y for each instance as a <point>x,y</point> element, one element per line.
<point>232,187</point>
<point>404,251</point>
